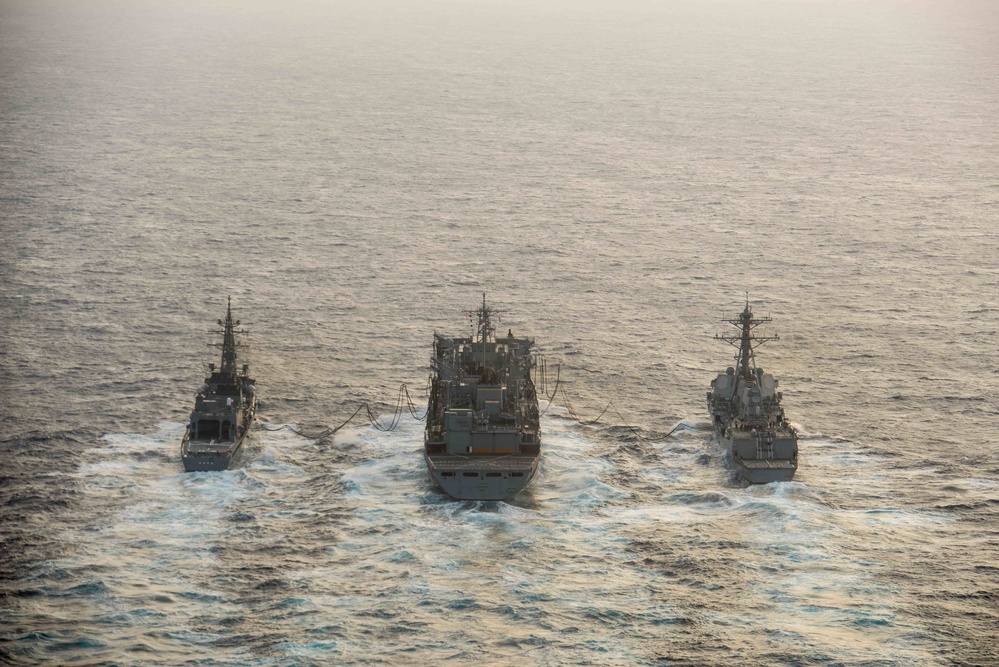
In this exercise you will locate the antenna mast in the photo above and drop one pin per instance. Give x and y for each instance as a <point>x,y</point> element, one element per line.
<point>228,344</point>
<point>746,341</point>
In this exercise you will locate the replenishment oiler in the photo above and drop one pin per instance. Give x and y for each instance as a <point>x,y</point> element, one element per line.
<point>482,439</point>
<point>223,408</point>
<point>745,409</point>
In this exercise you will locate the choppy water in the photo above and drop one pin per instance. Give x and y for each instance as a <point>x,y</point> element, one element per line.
<point>616,178</point>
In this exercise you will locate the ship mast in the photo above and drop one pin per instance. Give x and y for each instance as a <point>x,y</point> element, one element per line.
<point>484,328</point>
<point>229,344</point>
<point>747,341</point>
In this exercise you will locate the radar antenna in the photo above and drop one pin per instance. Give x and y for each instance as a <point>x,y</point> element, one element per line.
<point>747,341</point>
<point>228,344</point>
<point>484,328</point>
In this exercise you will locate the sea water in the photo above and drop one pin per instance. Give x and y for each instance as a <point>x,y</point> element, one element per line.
<point>617,178</point>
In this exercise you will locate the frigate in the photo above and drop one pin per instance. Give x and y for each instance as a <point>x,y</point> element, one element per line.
<point>482,439</point>
<point>746,411</point>
<point>223,408</point>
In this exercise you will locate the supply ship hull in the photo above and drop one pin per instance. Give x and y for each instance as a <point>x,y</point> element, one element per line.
<point>483,478</point>
<point>482,440</point>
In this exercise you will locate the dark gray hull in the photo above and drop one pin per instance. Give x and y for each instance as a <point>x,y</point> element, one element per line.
<point>223,408</point>
<point>482,477</point>
<point>483,435</point>
<point>746,411</point>
<point>757,470</point>
<point>765,472</point>
<point>209,458</point>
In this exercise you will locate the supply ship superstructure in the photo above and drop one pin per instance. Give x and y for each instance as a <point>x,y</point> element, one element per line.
<point>223,408</point>
<point>745,408</point>
<point>482,439</point>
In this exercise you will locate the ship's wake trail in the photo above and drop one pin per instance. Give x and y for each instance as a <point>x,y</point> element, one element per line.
<point>535,575</point>
<point>343,549</point>
<point>789,561</point>
<point>158,564</point>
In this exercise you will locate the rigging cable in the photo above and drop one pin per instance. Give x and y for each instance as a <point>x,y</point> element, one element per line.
<point>396,416</point>
<point>551,399</point>
<point>324,434</point>
<point>404,401</point>
<point>372,419</point>
<point>412,406</point>
<point>575,417</point>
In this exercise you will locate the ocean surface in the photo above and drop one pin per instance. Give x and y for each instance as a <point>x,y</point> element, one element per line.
<point>617,178</point>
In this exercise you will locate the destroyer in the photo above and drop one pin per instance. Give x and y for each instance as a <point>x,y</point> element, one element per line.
<point>482,440</point>
<point>745,408</point>
<point>223,408</point>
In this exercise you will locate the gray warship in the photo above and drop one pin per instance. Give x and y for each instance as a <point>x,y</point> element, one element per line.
<point>746,412</point>
<point>223,409</point>
<point>482,439</point>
